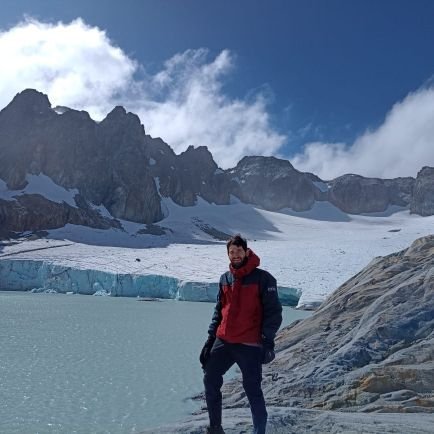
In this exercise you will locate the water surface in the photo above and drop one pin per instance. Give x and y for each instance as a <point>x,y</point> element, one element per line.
<point>84,364</point>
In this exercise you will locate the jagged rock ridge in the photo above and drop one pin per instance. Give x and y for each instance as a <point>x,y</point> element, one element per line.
<point>114,163</point>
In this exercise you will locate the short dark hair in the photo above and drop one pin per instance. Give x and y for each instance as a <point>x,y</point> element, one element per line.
<point>236,240</point>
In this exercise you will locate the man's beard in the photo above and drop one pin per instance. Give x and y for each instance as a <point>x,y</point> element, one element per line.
<point>239,264</point>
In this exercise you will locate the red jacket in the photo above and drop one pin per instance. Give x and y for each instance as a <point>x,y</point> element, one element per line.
<point>248,305</point>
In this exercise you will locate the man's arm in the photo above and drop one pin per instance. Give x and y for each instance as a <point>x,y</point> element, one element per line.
<point>271,307</point>
<point>212,330</point>
<point>217,315</point>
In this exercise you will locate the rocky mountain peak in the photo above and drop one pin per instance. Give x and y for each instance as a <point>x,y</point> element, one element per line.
<point>357,194</point>
<point>256,165</point>
<point>123,122</point>
<point>199,150</point>
<point>426,171</point>
<point>118,112</point>
<point>30,100</point>
<point>199,157</point>
<point>116,164</point>
<point>272,183</point>
<point>188,175</point>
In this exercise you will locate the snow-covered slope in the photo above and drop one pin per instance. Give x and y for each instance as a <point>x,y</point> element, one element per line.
<point>312,252</point>
<point>43,185</point>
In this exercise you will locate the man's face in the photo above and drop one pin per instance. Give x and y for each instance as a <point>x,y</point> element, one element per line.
<point>236,255</point>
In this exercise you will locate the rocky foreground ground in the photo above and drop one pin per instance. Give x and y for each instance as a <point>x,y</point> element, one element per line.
<point>363,363</point>
<point>285,420</point>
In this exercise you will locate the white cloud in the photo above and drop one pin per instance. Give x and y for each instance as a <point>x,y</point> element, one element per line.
<point>195,110</point>
<point>78,66</point>
<point>185,103</point>
<point>399,147</point>
<point>74,64</point>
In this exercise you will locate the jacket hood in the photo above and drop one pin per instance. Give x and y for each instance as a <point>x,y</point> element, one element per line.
<point>253,262</point>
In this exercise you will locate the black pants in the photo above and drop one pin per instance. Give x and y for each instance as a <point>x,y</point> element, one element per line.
<point>249,359</point>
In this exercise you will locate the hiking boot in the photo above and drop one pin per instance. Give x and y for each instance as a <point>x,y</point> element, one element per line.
<point>214,430</point>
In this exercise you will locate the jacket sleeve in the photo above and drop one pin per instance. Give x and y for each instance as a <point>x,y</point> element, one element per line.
<point>217,315</point>
<point>272,308</point>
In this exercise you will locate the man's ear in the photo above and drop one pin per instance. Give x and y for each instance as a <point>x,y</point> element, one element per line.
<point>247,252</point>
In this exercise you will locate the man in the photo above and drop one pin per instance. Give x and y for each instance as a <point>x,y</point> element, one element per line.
<point>246,318</point>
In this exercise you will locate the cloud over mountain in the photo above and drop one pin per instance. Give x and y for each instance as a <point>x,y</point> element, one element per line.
<point>399,147</point>
<point>77,65</point>
<point>186,102</point>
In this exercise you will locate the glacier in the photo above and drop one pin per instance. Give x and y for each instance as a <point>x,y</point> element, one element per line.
<point>48,277</point>
<point>309,253</point>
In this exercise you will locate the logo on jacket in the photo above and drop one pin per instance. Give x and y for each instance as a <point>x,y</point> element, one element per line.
<point>272,289</point>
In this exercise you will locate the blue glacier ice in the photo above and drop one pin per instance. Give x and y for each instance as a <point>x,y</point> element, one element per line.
<point>44,276</point>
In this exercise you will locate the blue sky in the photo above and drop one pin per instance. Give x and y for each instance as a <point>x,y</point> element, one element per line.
<point>328,84</point>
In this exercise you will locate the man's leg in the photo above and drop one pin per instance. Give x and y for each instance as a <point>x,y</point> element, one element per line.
<point>219,362</point>
<point>249,359</point>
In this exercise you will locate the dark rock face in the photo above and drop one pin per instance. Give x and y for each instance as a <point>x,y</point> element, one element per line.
<point>370,346</point>
<point>132,193</point>
<point>400,190</point>
<point>34,212</point>
<point>106,162</point>
<point>115,164</point>
<point>199,170</point>
<point>18,127</point>
<point>271,183</point>
<point>422,202</point>
<point>186,176</point>
<point>355,194</point>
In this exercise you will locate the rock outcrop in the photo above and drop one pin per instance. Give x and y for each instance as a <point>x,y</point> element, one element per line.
<point>35,212</point>
<point>422,202</point>
<point>286,420</point>
<point>271,183</point>
<point>112,163</point>
<point>106,162</point>
<point>370,346</point>
<point>186,176</point>
<point>356,194</point>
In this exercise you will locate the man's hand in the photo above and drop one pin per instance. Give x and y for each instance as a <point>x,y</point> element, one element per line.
<point>268,354</point>
<point>206,351</point>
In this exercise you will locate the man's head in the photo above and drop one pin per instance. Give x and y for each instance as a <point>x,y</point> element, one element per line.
<point>237,250</point>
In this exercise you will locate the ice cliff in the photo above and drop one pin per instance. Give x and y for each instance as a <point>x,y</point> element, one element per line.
<point>45,276</point>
